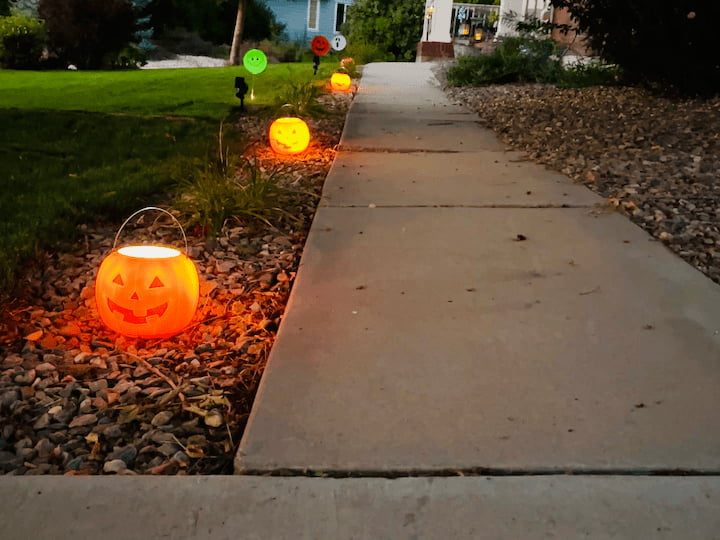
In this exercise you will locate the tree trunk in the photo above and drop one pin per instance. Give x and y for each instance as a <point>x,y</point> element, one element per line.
<point>237,35</point>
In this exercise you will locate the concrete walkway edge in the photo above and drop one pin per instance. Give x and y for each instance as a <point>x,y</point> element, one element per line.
<point>238,508</point>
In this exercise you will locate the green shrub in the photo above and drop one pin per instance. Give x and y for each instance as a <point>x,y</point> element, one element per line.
<point>181,41</point>
<point>87,32</point>
<point>22,40</point>
<point>592,74</point>
<point>657,42</point>
<point>282,51</point>
<point>516,59</point>
<point>364,53</point>
<point>393,26</point>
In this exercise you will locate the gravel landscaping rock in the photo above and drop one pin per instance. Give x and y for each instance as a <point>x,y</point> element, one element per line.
<point>656,159</point>
<point>78,399</point>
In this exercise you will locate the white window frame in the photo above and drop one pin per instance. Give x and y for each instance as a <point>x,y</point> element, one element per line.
<point>337,3</point>
<point>313,25</point>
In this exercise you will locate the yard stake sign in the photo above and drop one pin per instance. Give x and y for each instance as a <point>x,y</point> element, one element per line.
<point>320,46</point>
<point>289,135</point>
<point>255,62</point>
<point>147,291</point>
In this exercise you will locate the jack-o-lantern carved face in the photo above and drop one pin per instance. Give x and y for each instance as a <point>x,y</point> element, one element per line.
<point>340,82</point>
<point>289,135</point>
<point>320,45</point>
<point>147,291</point>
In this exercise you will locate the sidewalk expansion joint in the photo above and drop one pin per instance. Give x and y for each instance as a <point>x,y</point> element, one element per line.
<point>375,150</point>
<point>476,471</point>
<point>480,206</point>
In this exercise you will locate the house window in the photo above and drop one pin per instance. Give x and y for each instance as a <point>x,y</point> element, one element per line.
<point>313,14</point>
<point>340,15</point>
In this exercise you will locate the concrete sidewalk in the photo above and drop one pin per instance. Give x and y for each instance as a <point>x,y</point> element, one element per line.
<point>460,309</point>
<point>458,312</point>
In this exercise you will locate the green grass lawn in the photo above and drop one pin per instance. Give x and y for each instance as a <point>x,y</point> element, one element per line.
<point>199,92</point>
<point>80,146</point>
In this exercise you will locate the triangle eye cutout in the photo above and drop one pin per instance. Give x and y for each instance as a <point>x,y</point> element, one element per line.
<point>118,280</point>
<point>156,283</point>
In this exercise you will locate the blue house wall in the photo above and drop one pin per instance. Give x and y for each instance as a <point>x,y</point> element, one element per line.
<point>295,15</point>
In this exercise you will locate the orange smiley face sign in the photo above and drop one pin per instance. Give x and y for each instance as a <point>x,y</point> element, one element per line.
<point>320,45</point>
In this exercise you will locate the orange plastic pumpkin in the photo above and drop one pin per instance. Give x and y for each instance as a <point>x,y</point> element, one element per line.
<point>340,82</point>
<point>147,291</point>
<point>289,135</point>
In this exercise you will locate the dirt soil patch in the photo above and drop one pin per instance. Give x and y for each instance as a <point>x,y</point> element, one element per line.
<point>77,398</point>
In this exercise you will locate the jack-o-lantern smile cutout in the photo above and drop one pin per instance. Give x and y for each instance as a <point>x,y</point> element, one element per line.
<point>340,82</point>
<point>289,135</point>
<point>147,291</point>
<point>320,45</point>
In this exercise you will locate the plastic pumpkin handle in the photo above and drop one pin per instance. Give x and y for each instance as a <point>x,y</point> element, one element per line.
<point>145,210</point>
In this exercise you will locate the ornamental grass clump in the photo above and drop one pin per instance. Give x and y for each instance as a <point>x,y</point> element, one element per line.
<point>226,188</point>
<point>299,98</point>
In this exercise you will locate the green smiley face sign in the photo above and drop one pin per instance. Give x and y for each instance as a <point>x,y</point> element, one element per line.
<point>255,61</point>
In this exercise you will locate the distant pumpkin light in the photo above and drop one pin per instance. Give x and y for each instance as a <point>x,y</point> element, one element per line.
<point>340,82</point>
<point>289,135</point>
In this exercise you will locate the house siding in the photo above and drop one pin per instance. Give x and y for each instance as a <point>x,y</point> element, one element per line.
<point>294,15</point>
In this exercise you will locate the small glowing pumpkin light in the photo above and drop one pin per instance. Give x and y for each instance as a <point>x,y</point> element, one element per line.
<point>340,82</point>
<point>147,291</point>
<point>289,135</point>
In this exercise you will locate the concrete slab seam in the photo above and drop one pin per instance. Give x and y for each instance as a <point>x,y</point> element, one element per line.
<point>375,150</point>
<point>478,206</point>
<point>475,471</point>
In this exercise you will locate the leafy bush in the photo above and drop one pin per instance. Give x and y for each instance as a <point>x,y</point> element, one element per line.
<point>516,59</point>
<point>22,40</point>
<point>260,22</point>
<point>667,42</point>
<point>181,41</point>
<point>393,26</point>
<point>88,32</point>
<point>278,51</point>
<point>592,74</point>
<point>364,53</point>
<point>213,20</point>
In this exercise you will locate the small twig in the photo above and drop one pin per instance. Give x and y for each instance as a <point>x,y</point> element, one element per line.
<point>167,397</point>
<point>155,370</point>
<point>232,443</point>
<point>596,289</point>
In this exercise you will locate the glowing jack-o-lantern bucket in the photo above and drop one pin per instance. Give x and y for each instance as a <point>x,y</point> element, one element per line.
<point>340,82</point>
<point>289,135</point>
<point>147,291</point>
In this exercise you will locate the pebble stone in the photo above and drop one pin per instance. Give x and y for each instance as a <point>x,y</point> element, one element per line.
<point>76,398</point>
